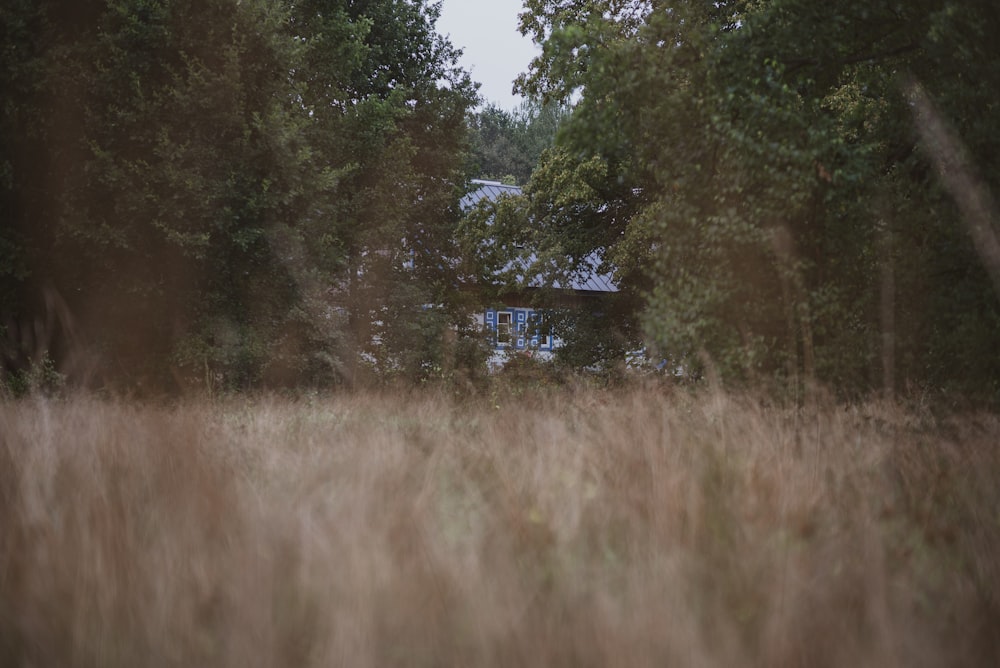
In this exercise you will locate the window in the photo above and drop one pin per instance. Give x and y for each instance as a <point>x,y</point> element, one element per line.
<point>504,320</point>
<point>522,326</point>
<point>541,334</point>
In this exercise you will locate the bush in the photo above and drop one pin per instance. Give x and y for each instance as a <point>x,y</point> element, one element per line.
<point>40,377</point>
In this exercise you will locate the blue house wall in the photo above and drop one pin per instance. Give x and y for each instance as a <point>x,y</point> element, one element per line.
<point>527,329</point>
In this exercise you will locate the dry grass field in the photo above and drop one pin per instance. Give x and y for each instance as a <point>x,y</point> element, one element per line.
<point>643,528</point>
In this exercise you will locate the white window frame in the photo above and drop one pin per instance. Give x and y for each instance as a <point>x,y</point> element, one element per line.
<point>505,330</point>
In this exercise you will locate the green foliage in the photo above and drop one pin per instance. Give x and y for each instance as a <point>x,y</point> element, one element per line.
<point>595,336</point>
<point>523,373</point>
<point>214,187</point>
<point>507,145</point>
<point>760,163</point>
<point>40,377</point>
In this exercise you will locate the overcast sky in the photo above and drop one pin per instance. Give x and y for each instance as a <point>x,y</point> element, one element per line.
<point>494,51</point>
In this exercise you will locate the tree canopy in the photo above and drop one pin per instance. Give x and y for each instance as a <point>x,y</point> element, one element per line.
<point>265,192</point>
<point>216,191</point>
<point>507,145</point>
<point>758,171</point>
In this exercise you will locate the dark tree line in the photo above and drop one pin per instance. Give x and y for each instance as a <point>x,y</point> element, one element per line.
<point>264,192</point>
<point>507,145</point>
<point>213,191</point>
<point>793,191</point>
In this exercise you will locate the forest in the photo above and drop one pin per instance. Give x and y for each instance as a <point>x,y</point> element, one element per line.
<point>245,413</point>
<point>264,193</point>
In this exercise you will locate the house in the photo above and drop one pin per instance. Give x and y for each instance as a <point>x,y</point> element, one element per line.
<point>516,325</point>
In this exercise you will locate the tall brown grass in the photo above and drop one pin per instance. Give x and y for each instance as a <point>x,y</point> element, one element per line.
<point>580,529</point>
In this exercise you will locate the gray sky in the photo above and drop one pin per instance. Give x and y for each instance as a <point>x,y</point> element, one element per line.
<point>495,52</point>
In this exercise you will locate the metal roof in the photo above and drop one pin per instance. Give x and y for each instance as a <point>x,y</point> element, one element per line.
<point>587,277</point>
<point>489,190</point>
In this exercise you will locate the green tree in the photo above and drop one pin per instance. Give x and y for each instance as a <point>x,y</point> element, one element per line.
<point>22,67</point>
<point>184,183</point>
<point>392,118</point>
<point>507,145</point>
<point>192,182</point>
<point>90,209</point>
<point>763,160</point>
